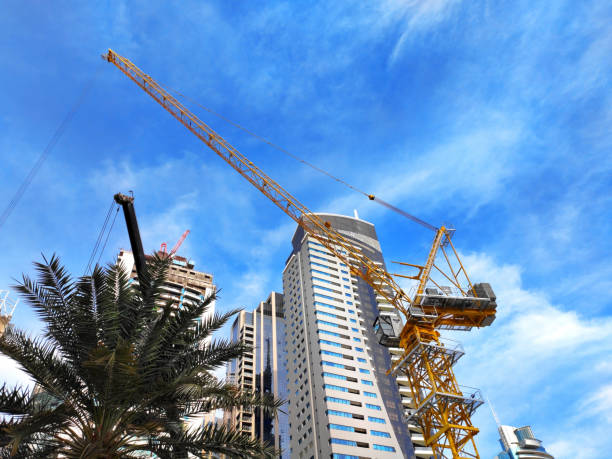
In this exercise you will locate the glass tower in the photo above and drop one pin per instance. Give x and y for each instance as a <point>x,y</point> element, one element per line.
<point>263,370</point>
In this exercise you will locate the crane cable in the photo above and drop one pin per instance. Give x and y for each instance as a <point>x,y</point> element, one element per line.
<point>41,159</point>
<point>101,236</point>
<point>108,235</point>
<point>370,196</point>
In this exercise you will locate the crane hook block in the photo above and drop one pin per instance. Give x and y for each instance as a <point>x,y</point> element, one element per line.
<point>371,197</point>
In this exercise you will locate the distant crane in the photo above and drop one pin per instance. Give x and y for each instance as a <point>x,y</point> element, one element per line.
<point>164,246</point>
<point>439,405</point>
<point>7,308</point>
<point>179,243</point>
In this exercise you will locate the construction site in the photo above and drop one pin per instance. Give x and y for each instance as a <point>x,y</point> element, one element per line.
<point>303,330</point>
<point>436,408</point>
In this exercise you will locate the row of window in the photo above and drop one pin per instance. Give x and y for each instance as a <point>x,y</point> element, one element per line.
<point>376,433</point>
<point>346,414</point>
<point>341,441</point>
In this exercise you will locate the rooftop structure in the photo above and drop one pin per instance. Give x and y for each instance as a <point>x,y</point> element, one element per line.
<point>520,443</point>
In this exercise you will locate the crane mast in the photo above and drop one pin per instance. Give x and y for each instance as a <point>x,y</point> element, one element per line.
<point>437,404</point>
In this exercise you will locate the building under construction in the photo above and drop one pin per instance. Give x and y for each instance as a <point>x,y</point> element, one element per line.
<point>184,283</point>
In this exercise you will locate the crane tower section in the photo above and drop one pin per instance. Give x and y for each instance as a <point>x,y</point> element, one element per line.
<point>437,404</point>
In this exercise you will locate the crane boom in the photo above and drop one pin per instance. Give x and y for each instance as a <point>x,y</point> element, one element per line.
<point>446,425</point>
<point>180,241</point>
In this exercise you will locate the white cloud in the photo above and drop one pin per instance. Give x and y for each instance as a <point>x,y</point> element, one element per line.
<point>599,404</point>
<point>11,374</point>
<point>532,355</point>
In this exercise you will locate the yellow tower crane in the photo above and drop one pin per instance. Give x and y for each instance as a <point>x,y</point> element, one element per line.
<point>437,404</point>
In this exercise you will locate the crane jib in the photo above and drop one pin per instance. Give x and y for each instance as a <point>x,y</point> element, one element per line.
<point>439,405</point>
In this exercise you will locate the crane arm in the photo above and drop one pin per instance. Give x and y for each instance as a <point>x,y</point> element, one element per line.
<point>178,244</point>
<point>442,410</point>
<point>360,265</point>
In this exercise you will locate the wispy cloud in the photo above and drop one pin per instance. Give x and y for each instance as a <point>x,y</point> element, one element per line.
<point>414,17</point>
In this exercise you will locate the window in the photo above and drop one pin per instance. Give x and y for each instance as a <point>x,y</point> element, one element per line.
<point>327,290</point>
<point>320,251</point>
<point>323,322</point>
<point>340,441</point>
<point>332,364</point>
<point>366,382</point>
<point>362,370</point>
<point>321,258</point>
<point>343,271</point>
<point>323,313</point>
<point>346,294</point>
<point>320,295</point>
<point>325,332</point>
<point>334,375</point>
<point>318,279</point>
<point>333,354</point>
<point>373,407</point>
<point>346,279</point>
<point>323,273</point>
<point>378,433</point>
<point>334,387</point>
<point>369,394</point>
<point>383,448</point>
<point>349,302</point>
<point>337,400</point>
<point>321,265</point>
<point>351,311</point>
<point>342,264</point>
<point>344,414</point>
<point>343,456</point>
<point>341,427</point>
<point>353,320</point>
<point>379,420</point>
<point>357,339</point>
<point>358,349</point>
<point>329,343</point>
<point>361,360</point>
<point>325,305</point>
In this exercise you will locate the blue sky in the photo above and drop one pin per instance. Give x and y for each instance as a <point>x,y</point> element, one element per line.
<point>494,116</point>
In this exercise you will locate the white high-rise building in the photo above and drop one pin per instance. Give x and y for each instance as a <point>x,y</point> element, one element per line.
<point>342,405</point>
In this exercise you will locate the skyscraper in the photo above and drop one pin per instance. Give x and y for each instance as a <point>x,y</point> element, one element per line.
<point>342,405</point>
<point>520,444</point>
<point>263,370</point>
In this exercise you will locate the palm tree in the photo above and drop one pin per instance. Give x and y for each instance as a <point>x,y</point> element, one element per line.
<point>119,371</point>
